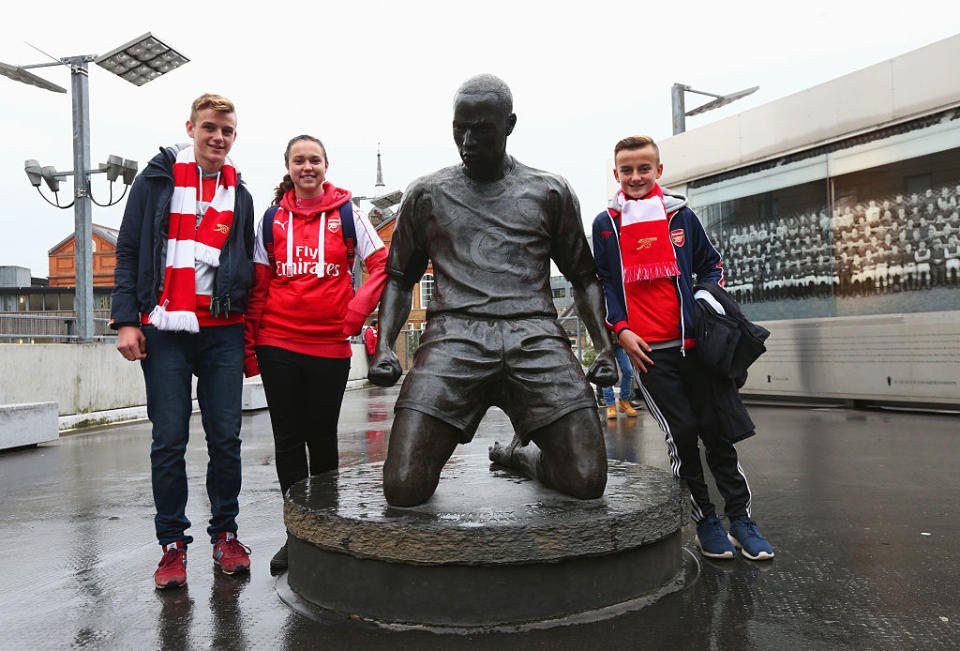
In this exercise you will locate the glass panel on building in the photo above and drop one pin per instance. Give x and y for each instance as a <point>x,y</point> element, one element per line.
<point>426,290</point>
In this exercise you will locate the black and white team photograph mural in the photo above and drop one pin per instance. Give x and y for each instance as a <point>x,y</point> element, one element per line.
<point>881,240</point>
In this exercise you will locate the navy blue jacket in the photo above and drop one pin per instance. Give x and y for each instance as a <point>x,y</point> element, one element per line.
<point>695,255</point>
<point>141,246</point>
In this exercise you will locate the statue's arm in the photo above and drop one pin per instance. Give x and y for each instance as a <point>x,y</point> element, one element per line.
<point>395,304</point>
<point>572,254</point>
<point>588,297</point>
<point>406,263</point>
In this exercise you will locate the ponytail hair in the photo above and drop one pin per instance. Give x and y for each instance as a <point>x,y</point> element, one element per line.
<point>287,183</point>
<point>285,186</point>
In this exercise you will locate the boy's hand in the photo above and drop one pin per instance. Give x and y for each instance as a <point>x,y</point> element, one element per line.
<point>636,349</point>
<point>603,371</point>
<point>131,343</point>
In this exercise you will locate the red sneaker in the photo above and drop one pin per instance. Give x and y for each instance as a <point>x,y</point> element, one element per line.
<point>230,554</point>
<point>172,572</point>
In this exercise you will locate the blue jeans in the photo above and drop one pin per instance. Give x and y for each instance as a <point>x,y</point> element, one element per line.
<point>626,378</point>
<point>215,356</point>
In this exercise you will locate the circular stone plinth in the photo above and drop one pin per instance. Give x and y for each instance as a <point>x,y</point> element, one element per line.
<point>488,548</point>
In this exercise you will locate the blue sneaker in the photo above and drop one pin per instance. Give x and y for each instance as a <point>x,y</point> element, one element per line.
<point>712,539</point>
<point>744,534</point>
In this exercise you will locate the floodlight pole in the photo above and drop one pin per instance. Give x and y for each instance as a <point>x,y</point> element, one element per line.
<point>139,61</point>
<point>82,210</point>
<point>679,108</point>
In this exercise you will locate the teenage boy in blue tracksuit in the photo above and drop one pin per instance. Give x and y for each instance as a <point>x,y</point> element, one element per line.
<point>648,245</point>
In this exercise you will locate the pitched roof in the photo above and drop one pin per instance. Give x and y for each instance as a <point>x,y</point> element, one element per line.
<point>107,233</point>
<point>386,221</point>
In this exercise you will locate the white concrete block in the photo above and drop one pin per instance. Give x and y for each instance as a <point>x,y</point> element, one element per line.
<point>87,377</point>
<point>253,395</point>
<point>358,363</point>
<point>28,424</point>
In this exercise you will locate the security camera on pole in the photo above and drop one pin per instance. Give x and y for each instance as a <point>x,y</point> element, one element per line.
<point>139,61</point>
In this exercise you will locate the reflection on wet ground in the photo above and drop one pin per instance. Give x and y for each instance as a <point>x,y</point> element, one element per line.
<point>860,506</point>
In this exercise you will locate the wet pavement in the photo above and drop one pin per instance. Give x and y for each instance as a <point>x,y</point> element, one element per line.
<point>861,507</point>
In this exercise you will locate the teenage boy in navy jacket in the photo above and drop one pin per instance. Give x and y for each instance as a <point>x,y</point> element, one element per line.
<point>648,245</point>
<point>180,291</point>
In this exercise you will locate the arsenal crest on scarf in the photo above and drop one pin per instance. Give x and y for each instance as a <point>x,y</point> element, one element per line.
<point>645,249</point>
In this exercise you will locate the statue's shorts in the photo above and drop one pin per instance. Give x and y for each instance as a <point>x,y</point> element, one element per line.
<point>524,366</point>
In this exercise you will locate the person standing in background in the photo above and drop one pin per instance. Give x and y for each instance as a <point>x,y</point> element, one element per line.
<point>370,341</point>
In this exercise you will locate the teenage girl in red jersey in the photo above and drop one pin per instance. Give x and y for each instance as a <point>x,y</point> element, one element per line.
<point>303,308</point>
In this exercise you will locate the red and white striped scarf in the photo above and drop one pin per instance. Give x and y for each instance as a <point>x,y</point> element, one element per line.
<point>646,252</point>
<point>188,245</point>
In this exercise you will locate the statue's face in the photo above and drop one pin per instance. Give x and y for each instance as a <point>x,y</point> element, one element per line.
<point>480,129</point>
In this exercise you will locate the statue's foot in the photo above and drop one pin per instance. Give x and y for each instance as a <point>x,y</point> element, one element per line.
<point>503,455</point>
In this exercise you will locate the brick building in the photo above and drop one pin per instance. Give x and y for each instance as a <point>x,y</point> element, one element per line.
<point>63,259</point>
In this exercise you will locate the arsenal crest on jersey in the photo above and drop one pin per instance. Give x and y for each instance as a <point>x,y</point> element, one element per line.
<point>677,237</point>
<point>333,224</point>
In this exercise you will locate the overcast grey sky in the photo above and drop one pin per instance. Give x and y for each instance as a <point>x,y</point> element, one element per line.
<point>583,74</point>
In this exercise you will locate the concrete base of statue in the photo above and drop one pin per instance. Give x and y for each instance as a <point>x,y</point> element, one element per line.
<point>490,550</point>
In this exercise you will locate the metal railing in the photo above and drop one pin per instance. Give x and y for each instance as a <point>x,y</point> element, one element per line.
<point>581,340</point>
<point>50,327</point>
<point>406,346</point>
<point>408,340</point>
<point>61,327</point>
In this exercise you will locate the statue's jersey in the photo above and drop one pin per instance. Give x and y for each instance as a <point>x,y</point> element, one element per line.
<point>490,243</point>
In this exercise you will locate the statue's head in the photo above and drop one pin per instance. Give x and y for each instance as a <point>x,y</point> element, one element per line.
<point>483,117</point>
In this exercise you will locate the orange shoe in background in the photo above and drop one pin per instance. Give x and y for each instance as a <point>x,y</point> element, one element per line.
<point>627,408</point>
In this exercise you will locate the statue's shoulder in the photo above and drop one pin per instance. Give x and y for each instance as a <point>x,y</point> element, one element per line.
<point>426,183</point>
<point>547,180</point>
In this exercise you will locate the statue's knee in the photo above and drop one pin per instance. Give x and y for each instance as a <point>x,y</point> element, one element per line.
<point>590,487</point>
<point>402,487</point>
<point>586,481</point>
<point>404,495</point>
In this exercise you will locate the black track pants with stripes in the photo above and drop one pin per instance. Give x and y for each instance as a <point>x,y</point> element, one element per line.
<point>677,392</point>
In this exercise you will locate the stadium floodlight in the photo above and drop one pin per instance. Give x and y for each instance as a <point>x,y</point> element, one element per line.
<point>384,201</point>
<point>113,167</point>
<point>119,168</point>
<point>32,167</point>
<point>49,174</point>
<point>722,100</point>
<point>19,73</point>
<point>141,60</point>
<point>129,171</point>
<point>679,109</point>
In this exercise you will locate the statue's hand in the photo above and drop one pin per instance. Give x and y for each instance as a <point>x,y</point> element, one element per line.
<point>603,371</point>
<point>385,369</point>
